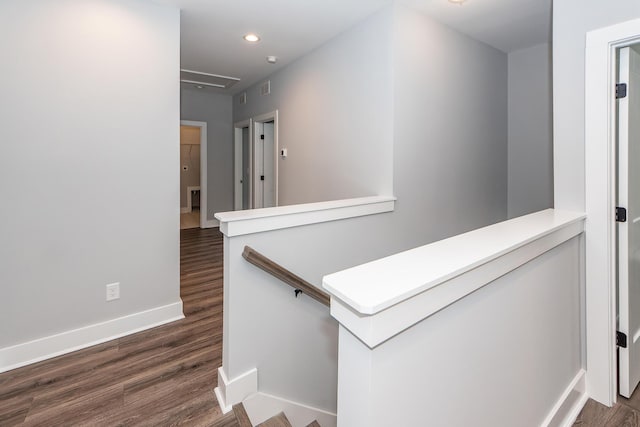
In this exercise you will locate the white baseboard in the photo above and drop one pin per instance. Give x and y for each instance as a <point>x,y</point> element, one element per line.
<point>185,210</point>
<point>261,406</point>
<point>210,223</point>
<point>230,392</point>
<point>65,342</point>
<point>190,191</point>
<point>570,403</point>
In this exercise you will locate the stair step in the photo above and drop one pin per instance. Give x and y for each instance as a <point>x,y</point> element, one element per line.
<point>241,415</point>
<point>279,420</point>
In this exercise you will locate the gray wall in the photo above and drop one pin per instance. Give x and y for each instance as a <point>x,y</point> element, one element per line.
<point>215,109</point>
<point>572,19</point>
<point>70,223</point>
<point>450,130</point>
<point>449,163</point>
<point>530,131</point>
<point>402,105</point>
<point>335,116</point>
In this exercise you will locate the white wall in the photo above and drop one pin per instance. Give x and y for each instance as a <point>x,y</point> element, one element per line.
<point>530,131</point>
<point>450,130</point>
<point>335,116</point>
<point>89,93</point>
<point>572,19</point>
<point>501,356</point>
<point>215,109</point>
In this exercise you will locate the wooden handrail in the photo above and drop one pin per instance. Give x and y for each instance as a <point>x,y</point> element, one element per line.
<point>276,270</point>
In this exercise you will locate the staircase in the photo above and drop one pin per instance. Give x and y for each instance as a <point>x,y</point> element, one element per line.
<point>279,420</point>
<point>300,286</point>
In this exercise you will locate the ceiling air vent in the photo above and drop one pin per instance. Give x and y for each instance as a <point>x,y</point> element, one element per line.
<point>198,78</point>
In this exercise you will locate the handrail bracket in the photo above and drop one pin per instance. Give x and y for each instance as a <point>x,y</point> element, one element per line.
<point>296,282</point>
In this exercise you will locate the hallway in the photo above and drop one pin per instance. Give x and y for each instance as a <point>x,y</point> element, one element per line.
<point>162,376</point>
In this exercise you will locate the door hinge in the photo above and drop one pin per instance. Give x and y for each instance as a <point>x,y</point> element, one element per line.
<point>261,177</point>
<point>621,90</point>
<point>621,214</point>
<point>262,136</point>
<point>621,339</point>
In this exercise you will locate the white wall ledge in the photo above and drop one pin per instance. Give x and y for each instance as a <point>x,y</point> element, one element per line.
<point>238,223</point>
<point>381,298</point>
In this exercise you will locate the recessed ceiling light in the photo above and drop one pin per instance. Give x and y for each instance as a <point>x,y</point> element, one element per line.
<point>251,38</point>
<point>459,2</point>
<point>199,87</point>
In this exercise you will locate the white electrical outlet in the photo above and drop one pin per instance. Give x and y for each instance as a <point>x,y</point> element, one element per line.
<point>113,291</point>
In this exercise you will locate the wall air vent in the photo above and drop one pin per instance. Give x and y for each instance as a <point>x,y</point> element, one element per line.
<point>265,88</point>
<point>198,78</point>
<point>243,98</point>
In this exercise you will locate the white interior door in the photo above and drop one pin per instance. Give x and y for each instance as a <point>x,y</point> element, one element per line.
<point>264,182</point>
<point>237,169</point>
<point>242,166</point>
<point>245,176</point>
<point>258,166</point>
<point>268,166</point>
<point>629,230</point>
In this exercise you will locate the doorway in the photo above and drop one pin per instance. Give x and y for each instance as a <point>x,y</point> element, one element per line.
<point>265,164</point>
<point>256,162</point>
<point>628,218</point>
<point>193,174</point>
<point>601,191</point>
<point>243,135</point>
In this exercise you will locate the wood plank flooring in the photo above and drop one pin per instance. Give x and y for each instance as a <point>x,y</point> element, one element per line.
<point>279,420</point>
<point>625,413</point>
<point>241,415</point>
<point>160,377</point>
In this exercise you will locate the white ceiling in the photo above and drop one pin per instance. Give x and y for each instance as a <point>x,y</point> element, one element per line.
<point>507,25</point>
<point>212,30</point>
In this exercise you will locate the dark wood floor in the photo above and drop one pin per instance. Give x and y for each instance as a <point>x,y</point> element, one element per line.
<point>161,377</point>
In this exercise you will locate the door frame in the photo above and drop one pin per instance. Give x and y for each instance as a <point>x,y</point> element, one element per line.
<point>600,202</point>
<point>263,118</point>
<point>203,171</point>
<point>237,163</point>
